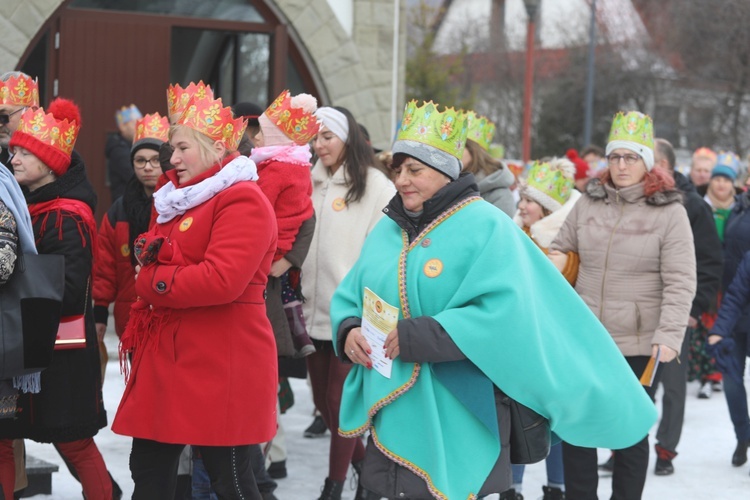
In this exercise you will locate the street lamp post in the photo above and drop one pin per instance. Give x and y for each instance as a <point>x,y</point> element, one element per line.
<point>531,9</point>
<point>589,99</point>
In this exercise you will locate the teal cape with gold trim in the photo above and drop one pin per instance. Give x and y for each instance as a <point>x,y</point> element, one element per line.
<point>520,325</point>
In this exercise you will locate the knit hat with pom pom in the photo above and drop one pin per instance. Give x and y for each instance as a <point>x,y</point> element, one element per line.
<point>49,136</point>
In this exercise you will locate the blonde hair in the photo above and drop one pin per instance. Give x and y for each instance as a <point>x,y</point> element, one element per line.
<point>481,161</point>
<point>204,143</point>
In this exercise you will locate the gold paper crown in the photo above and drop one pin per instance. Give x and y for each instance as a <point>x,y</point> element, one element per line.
<point>481,129</point>
<point>444,130</point>
<point>550,183</point>
<point>210,117</point>
<point>20,91</point>
<point>152,126</point>
<point>297,123</point>
<point>633,126</point>
<point>178,98</point>
<point>59,134</point>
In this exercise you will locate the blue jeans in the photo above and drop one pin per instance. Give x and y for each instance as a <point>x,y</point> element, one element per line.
<point>735,392</point>
<point>554,463</point>
<point>201,481</point>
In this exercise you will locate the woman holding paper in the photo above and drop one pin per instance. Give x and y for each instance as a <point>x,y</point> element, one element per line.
<point>468,332</point>
<point>636,273</point>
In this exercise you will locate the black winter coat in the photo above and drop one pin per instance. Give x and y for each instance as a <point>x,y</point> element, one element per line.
<point>70,405</point>
<point>709,258</point>
<point>736,244</point>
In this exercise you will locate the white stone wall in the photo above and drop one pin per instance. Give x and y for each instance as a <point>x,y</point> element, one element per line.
<point>356,71</point>
<point>20,20</point>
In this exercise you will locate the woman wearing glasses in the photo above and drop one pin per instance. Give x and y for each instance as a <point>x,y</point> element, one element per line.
<point>129,216</point>
<point>636,273</point>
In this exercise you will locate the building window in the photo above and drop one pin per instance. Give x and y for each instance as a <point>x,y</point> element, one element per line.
<point>235,64</point>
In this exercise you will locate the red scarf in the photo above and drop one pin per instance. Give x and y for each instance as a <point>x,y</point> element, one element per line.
<point>85,220</point>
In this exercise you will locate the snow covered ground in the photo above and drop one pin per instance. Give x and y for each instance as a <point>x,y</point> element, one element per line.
<point>702,470</point>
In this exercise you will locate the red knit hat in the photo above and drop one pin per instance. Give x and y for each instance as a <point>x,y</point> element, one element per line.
<point>582,166</point>
<point>50,136</point>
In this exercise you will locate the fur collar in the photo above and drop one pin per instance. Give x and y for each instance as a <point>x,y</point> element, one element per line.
<point>598,191</point>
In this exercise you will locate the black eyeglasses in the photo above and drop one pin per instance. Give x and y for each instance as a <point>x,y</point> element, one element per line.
<point>140,163</point>
<point>5,118</point>
<point>629,159</point>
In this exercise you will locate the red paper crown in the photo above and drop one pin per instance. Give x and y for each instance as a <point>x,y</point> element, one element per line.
<point>210,117</point>
<point>297,123</point>
<point>48,138</point>
<point>178,98</point>
<point>152,126</point>
<point>20,91</point>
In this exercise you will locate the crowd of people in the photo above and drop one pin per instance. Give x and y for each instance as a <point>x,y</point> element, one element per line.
<point>427,294</point>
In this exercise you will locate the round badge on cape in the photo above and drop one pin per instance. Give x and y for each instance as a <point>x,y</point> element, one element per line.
<point>125,250</point>
<point>433,268</point>
<point>185,225</point>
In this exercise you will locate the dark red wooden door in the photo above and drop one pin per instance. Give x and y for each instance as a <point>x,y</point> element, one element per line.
<point>106,62</point>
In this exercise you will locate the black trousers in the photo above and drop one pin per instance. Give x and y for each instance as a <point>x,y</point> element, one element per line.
<point>631,464</point>
<point>153,467</point>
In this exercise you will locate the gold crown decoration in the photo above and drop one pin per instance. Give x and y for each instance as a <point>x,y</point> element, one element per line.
<point>178,98</point>
<point>444,130</point>
<point>209,117</point>
<point>20,90</point>
<point>633,126</point>
<point>44,127</point>
<point>481,129</point>
<point>294,116</point>
<point>152,126</point>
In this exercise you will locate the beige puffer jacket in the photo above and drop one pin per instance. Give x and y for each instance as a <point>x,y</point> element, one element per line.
<point>637,270</point>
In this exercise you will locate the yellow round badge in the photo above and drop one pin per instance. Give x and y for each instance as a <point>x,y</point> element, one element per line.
<point>185,225</point>
<point>339,204</point>
<point>433,268</point>
<point>125,250</point>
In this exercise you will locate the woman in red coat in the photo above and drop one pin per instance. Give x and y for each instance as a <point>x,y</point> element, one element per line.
<point>204,367</point>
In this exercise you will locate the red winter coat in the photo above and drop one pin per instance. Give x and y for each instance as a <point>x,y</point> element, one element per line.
<point>288,186</point>
<point>205,370</point>
<point>114,275</point>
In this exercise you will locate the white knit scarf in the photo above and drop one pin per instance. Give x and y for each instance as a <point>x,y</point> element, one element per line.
<point>171,201</point>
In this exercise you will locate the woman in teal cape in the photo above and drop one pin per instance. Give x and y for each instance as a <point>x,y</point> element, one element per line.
<point>480,309</point>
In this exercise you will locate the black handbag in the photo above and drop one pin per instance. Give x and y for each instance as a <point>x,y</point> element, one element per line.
<point>530,435</point>
<point>30,307</point>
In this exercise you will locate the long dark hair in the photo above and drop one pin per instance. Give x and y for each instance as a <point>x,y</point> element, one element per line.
<point>357,158</point>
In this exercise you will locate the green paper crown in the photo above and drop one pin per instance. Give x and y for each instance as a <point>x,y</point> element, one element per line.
<point>444,130</point>
<point>633,127</point>
<point>549,185</point>
<point>481,129</point>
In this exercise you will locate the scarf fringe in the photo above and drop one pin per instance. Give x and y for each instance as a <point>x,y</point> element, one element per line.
<point>31,383</point>
<point>143,323</point>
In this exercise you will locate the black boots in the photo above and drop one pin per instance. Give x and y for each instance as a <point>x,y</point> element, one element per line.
<point>551,493</point>
<point>362,493</point>
<point>740,454</point>
<point>331,490</point>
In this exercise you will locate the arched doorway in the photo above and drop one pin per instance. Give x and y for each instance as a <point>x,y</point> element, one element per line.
<point>105,54</point>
